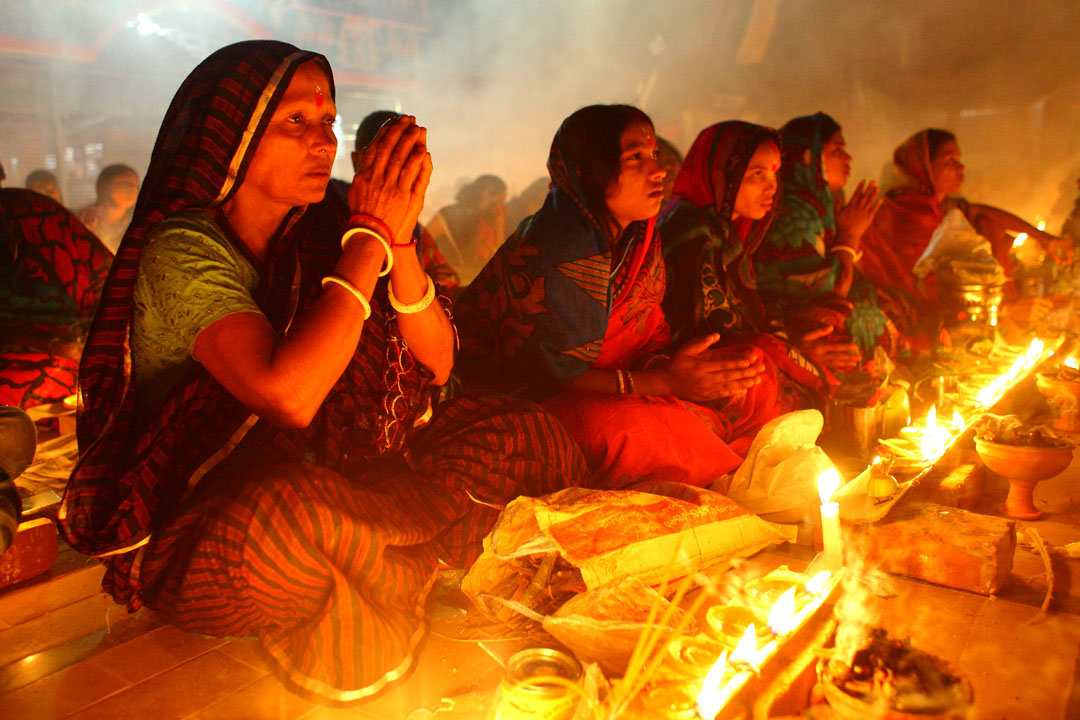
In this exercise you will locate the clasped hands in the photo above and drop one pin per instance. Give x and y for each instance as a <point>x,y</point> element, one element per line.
<point>393,178</point>
<point>700,372</point>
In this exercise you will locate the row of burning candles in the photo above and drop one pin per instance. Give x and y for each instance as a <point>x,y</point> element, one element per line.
<point>730,673</point>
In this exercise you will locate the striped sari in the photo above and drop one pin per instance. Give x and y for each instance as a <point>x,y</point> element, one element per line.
<point>322,541</point>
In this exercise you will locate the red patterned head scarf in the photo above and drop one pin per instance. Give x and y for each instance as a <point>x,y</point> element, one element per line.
<point>202,152</point>
<point>713,171</point>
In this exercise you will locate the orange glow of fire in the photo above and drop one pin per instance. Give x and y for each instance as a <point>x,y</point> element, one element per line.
<point>711,700</point>
<point>997,387</point>
<point>817,584</point>
<point>957,419</point>
<point>782,618</point>
<point>1070,362</point>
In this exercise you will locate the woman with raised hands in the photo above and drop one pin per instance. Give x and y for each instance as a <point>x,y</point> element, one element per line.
<point>259,454</point>
<point>806,265</point>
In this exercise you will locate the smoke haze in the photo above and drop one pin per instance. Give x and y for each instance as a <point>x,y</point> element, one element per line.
<point>492,79</point>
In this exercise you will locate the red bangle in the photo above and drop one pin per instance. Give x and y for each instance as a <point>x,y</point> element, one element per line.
<point>411,243</point>
<point>365,219</point>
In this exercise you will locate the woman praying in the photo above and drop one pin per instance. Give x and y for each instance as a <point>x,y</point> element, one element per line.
<point>927,177</point>
<point>259,454</point>
<point>569,310</point>
<point>806,264</point>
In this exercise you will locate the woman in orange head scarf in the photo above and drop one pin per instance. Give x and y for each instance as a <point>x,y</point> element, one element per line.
<point>928,174</point>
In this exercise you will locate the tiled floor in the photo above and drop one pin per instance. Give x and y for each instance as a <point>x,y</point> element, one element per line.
<point>67,651</point>
<point>81,656</point>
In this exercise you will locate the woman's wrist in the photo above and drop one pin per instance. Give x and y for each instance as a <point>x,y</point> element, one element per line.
<point>362,255</point>
<point>848,255</point>
<point>653,382</point>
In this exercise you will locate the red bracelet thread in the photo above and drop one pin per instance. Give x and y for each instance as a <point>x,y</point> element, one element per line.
<point>365,219</point>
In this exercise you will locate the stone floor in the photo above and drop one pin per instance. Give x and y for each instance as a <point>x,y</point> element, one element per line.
<point>67,651</point>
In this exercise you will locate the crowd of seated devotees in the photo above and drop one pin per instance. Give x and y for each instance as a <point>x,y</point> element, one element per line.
<point>267,446</point>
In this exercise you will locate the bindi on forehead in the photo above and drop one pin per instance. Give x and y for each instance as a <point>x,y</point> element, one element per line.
<point>320,98</point>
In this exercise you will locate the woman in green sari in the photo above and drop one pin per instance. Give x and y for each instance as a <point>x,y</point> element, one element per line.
<point>805,265</point>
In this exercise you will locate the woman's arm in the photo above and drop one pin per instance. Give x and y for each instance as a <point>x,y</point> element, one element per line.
<point>428,333</point>
<point>992,223</point>
<point>286,379</point>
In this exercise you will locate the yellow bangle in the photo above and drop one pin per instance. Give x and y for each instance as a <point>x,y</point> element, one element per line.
<point>856,255</point>
<point>352,291</point>
<point>630,382</point>
<point>368,231</point>
<point>410,308</point>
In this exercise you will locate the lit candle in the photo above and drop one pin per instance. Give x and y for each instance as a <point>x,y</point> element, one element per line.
<point>828,483</point>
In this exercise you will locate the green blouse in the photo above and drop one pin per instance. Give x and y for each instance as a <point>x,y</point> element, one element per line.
<point>190,276</point>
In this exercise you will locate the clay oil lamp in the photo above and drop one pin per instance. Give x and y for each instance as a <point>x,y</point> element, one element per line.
<point>728,623</point>
<point>693,656</point>
<point>764,592</point>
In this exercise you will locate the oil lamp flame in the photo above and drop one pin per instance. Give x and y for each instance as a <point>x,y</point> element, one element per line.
<point>1071,362</point>
<point>1018,241</point>
<point>935,439</point>
<point>746,651</point>
<point>957,419</point>
<point>828,482</point>
<point>817,584</point>
<point>782,617</point>
<point>710,700</point>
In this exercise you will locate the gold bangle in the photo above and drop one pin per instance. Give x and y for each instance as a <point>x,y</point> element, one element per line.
<point>368,231</point>
<point>411,308</point>
<point>856,255</point>
<point>629,382</point>
<point>620,384</point>
<point>352,291</point>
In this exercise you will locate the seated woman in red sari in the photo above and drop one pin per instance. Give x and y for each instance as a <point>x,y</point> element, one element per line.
<point>569,310</point>
<point>725,201</point>
<point>254,461</point>
<point>927,174</point>
<point>52,270</point>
